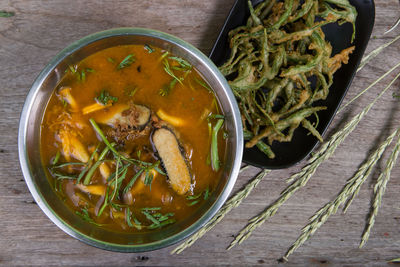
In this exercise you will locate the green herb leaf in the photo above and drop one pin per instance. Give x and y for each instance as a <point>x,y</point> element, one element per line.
<point>72,69</point>
<point>148,48</point>
<point>206,193</point>
<point>130,92</point>
<point>133,180</point>
<point>192,197</point>
<point>6,14</point>
<point>150,217</point>
<point>111,60</point>
<point>148,179</point>
<point>167,69</point>
<point>151,209</point>
<point>129,216</point>
<point>83,76</point>
<point>56,158</point>
<point>215,163</point>
<point>105,98</point>
<point>105,203</point>
<point>154,226</point>
<point>166,89</point>
<point>84,214</point>
<point>126,62</point>
<point>183,63</point>
<point>203,84</point>
<point>215,116</point>
<point>193,202</point>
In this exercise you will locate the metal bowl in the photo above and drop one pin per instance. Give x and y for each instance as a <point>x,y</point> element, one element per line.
<point>34,172</point>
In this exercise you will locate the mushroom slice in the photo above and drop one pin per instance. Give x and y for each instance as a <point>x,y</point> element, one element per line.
<point>65,93</point>
<point>167,147</point>
<point>71,146</point>
<point>135,116</point>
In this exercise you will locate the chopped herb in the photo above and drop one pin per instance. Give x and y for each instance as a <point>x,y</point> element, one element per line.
<point>215,116</point>
<point>84,214</point>
<point>132,181</point>
<point>193,202</point>
<point>67,164</point>
<point>167,69</point>
<point>225,135</point>
<point>72,69</point>
<point>126,62</point>
<point>160,171</point>
<point>56,158</point>
<point>166,89</point>
<point>215,163</point>
<point>90,70</point>
<point>139,153</point>
<point>129,216</point>
<point>395,96</point>
<point>117,207</point>
<point>130,92</point>
<point>192,197</point>
<point>87,165</point>
<point>150,217</point>
<point>105,98</point>
<point>111,60</point>
<point>206,193</point>
<point>184,65</point>
<point>60,176</point>
<point>216,104</point>
<point>203,84</point>
<point>159,225</point>
<point>148,179</point>
<point>164,55</point>
<point>105,203</point>
<point>83,76</point>
<point>151,209</point>
<point>148,48</point>
<point>6,14</point>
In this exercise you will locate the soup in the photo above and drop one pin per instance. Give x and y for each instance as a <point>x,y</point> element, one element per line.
<point>133,138</point>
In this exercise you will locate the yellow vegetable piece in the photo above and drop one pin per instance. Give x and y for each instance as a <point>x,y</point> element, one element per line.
<point>98,190</point>
<point>71,146</point>
<point>65,93</point>
<point>104,170</point>
<point>175,121</point>
<point>94,107</point>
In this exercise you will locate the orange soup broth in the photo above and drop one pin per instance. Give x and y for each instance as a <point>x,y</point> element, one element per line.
<point>139,83</point>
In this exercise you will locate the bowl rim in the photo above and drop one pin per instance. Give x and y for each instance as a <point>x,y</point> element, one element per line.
<point>33,187</point>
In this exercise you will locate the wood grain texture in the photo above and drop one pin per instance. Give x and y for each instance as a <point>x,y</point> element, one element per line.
<point>40,29</point>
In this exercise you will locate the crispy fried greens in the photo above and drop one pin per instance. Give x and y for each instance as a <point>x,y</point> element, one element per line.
<point>273,60</point>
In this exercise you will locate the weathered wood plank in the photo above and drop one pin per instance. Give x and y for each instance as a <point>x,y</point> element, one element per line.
<point>42,28</point>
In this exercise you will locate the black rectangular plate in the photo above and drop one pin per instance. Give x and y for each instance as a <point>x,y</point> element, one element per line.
<point>290,153</point>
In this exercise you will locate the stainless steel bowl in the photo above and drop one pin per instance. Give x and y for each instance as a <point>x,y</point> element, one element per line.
<point>29,141</point>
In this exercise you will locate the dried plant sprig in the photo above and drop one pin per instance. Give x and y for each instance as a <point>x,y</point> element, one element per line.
<point>369,87</point>
<point>348,203</point>
<point>232,203</point>
<point>395,260</point>
<point>375,52</point>
<point>352,185</point>
<point>379,191</point>
<point>301,178</point>
<point>364,62</point>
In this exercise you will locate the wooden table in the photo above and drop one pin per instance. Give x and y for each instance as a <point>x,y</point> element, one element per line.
<point>40,29</point>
